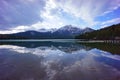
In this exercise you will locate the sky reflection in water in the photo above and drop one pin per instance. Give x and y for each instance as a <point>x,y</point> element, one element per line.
<point>56,61</point>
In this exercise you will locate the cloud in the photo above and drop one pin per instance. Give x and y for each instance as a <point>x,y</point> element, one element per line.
<point>110,22</point>
<point>52,17</point>
<point>20,12</point>
<point>88,10</point>
<point>116,20</point>
<point>113,5</point>
<point>15,29</point>
<point>37,14</point>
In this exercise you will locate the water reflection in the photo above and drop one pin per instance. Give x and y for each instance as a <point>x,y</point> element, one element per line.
<point>56,61</point>
<point>109,47</point>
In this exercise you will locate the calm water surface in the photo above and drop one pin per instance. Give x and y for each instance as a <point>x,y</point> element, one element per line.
<point>57,60</point>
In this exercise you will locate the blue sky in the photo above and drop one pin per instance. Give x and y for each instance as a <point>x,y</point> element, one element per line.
<point>22,15</point>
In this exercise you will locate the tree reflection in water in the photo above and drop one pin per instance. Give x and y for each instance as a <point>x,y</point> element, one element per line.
<point>56,61</point>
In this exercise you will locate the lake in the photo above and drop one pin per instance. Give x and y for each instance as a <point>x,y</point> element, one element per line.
<point>58,60</point>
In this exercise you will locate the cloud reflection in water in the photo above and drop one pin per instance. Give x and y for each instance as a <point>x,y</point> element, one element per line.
<point>57,63</point>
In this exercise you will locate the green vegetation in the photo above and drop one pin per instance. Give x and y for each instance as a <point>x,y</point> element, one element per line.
<point>108,33</point>
<point>112,48</point>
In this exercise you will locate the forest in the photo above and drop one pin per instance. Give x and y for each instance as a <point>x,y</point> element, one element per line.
<point>107,33</point>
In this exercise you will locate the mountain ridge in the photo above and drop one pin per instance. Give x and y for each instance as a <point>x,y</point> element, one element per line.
<point>108,33</point>
<point>65,32</point>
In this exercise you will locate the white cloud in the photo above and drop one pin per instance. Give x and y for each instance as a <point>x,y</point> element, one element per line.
<point>15,13</point>
<point>110,22</point>
<point>50,16</point>
<point>37,15</point>
<point>88,9</point>
<point>116,20</point>
<point>15,30</point>
<point>50,20</point>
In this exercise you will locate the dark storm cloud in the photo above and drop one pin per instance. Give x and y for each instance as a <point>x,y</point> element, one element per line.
<point>20,12</point>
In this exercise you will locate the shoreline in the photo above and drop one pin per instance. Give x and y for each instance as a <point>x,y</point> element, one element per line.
<point>100,41</point>
<point>60,40</point>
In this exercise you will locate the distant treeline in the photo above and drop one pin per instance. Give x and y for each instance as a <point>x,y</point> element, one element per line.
<point>108,33</point>
<point>8,36</point>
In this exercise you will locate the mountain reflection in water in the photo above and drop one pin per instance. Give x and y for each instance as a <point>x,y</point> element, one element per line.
<point>56,61</point>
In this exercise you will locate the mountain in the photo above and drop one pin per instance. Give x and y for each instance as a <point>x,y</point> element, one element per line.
<point>47,30</point>
<point>65,32</point>
<point>33,34</point>
<point>87,30</point>
<point>108,33</point>
<point>69,31</point>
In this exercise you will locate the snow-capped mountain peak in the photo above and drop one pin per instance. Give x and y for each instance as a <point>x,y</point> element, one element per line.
<point>47,30</point>
<point>68,27</point>
<point>66,32</point>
